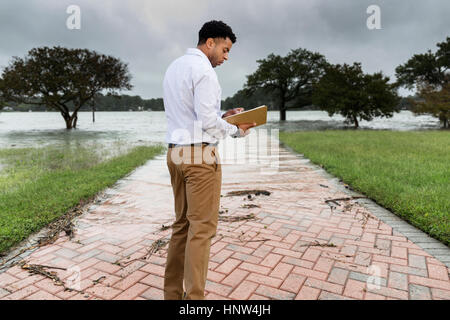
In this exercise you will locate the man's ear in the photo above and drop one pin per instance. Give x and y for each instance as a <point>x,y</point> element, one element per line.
<point>210,43</point>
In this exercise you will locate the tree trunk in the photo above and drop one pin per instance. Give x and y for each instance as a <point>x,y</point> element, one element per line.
<point>71,121</point>
<point>355,121</point>
<point>75,119</point>
<point>68,122</point>
<point>283,110</point>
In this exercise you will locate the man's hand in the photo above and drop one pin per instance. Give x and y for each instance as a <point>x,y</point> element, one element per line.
<point>244,128</point>
<point>232,111</point>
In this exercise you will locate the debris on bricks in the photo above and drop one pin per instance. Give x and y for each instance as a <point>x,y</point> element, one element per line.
<point>99,280</point>
<point>248,192</point>
<point>65,223</point>
<point>347,206</point>
<point>249,206</point>
<point>318,244</point>
<point>165,227</point>
<point>155,247</point>
<point>365,217</point>
<point>242,238</point>
<point>250,216</point>
<point>343,199</point>
<point>223,209</point>
<point>334,203</point>
<point>40,269</point>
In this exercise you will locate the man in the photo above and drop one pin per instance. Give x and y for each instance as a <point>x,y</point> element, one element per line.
<point>192,97</point>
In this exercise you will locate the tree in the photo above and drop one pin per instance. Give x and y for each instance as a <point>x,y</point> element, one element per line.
<point>430,74</point>
<point>434,101</point>
<point>288,78</point>
<point>61,78</point>
<point>346,90</point>
<point>430,68</point>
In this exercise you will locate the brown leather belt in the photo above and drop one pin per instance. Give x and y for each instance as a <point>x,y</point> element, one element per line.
<point>172,145</point>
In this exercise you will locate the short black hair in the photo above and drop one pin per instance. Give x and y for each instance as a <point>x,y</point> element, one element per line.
<point>215,29</point>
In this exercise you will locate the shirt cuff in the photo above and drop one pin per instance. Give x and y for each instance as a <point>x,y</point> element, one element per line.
<point>237,134</point>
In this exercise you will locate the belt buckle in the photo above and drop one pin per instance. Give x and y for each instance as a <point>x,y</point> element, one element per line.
<point>173,145</point>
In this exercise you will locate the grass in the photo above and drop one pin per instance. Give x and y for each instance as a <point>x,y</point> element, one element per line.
<point>405,172</point>
<point>38,185</point>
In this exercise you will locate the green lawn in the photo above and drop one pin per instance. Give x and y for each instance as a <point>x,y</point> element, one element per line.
<point>406,172</point>
<point>38,185</point>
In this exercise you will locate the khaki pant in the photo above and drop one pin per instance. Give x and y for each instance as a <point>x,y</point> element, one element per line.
<point>196,188</point>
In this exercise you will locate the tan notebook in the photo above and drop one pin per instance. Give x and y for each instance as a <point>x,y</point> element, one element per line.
<point>258,115</point>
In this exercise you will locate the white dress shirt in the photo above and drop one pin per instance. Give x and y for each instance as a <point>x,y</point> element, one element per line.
<point>192,97</point>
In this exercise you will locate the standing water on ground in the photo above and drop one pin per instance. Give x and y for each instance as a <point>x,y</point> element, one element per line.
<point>33,129</point>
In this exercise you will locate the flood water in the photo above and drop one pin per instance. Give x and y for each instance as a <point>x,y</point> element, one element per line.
<point>31,129</point>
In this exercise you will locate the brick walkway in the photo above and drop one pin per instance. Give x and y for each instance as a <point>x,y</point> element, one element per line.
<point>298,247</point>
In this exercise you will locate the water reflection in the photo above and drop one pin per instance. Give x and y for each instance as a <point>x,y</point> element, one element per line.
<point>63,136</point>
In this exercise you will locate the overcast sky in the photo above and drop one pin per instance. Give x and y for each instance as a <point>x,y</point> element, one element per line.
<point>149,34</point>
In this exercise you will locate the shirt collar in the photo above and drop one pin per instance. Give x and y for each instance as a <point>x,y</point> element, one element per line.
<point>198,52</point>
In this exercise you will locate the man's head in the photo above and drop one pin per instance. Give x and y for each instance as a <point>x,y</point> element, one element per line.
<point>215,39</point>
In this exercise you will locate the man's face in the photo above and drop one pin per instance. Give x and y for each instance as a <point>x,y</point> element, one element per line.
<point>219,51</point>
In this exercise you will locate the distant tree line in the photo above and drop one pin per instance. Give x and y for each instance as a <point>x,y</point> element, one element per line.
<point>136,103</point>
<point>102,103</point>
<point>127,103</point>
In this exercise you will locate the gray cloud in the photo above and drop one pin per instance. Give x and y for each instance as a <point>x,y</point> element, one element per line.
<point>148,35</point>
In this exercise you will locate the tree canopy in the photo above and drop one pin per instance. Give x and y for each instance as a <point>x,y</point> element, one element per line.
<point>288,78</point>
<point>431,68</point>
<point>346,90</point>
<point>60,77</point>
